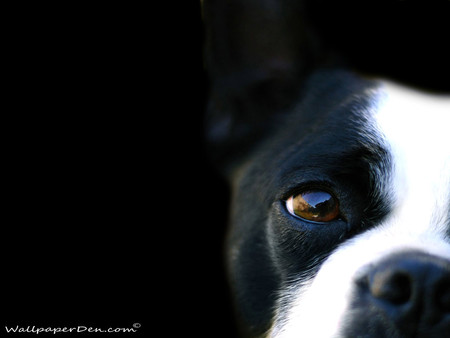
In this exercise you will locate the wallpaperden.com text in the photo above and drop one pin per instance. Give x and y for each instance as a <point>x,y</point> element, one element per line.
<point>74,329</point>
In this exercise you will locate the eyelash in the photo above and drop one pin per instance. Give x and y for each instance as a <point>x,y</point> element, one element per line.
<point>309,186</point>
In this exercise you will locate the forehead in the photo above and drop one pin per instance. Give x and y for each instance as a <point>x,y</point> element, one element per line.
<point>414,122</point>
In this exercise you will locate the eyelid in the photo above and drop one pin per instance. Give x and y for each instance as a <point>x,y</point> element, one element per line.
<point>302,185</point>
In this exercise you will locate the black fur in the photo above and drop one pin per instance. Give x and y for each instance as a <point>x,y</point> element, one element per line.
<point>274,247</point>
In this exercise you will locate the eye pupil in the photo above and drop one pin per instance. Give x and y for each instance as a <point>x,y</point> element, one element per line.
<point>317,205</point>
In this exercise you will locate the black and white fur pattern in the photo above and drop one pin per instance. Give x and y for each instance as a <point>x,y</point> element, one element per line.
<point>415,182</point>
<point>279,125</point>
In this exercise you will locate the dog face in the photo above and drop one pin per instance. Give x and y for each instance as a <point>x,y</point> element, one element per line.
<point>340,213</point>
<point>375,168</point>
<point>388,176</point>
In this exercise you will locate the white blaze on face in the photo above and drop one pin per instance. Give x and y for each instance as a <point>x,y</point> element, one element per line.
<point>416,129</point>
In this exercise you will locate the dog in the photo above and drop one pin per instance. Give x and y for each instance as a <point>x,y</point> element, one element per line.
<point>339,222</point>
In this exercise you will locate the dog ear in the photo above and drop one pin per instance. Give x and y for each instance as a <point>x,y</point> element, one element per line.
<point>256,54</point>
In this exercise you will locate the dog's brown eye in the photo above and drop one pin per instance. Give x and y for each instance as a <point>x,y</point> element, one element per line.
<point>315,205</point>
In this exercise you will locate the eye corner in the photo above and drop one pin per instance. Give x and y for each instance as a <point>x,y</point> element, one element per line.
<point>289,204</point>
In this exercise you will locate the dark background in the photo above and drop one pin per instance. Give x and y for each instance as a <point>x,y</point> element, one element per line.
<point>76,225</point>
<point>112,211</point>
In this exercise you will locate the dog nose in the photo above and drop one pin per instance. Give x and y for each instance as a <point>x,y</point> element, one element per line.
<point>413,290</point>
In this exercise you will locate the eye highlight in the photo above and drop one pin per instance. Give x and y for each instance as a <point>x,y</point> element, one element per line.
<point>314,205</point>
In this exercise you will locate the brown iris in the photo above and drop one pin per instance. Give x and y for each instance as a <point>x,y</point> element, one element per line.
<point>314,205</point>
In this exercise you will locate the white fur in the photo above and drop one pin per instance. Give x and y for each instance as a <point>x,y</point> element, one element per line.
<point>416,128</point>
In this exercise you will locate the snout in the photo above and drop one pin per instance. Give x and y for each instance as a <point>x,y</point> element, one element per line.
<point>407,294</point>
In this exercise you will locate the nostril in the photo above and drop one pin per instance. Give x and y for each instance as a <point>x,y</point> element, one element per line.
<point>392,286</point>
<point>443,296</point>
